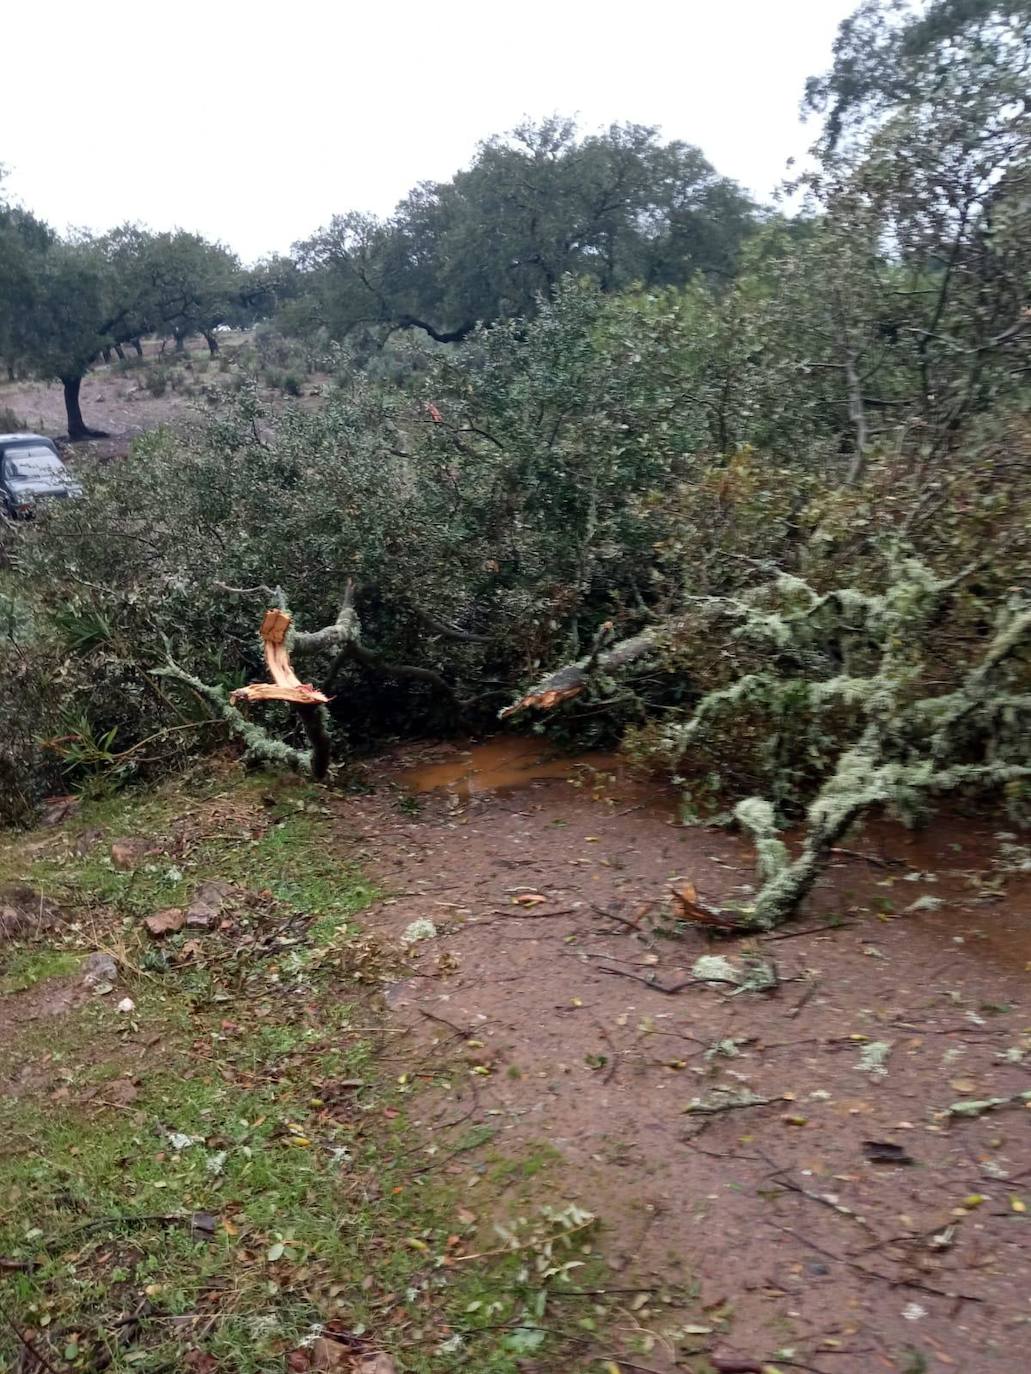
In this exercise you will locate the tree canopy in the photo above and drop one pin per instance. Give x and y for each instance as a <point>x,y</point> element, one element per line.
<point>535,205</point>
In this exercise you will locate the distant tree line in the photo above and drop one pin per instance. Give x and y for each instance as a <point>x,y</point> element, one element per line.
<point>67,302</point>
<point>538,205</point>
<point>902,287</point>
<point>542,203</point>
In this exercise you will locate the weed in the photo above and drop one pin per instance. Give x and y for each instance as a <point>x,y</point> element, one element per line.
<point>156,381</point>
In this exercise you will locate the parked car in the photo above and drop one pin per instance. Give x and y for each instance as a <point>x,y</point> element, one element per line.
<point>31,472</point>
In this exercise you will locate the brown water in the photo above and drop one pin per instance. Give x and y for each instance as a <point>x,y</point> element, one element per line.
<point>507,762</point>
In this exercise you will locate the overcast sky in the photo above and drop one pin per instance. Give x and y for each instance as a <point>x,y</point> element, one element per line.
<point>254,121</point>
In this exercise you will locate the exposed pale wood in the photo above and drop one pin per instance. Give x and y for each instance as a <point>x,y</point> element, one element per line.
<point>285,684</point>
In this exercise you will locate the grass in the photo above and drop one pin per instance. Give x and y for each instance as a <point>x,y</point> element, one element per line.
<point>231,1166</point>
<point>27,967</point>
<point>254,1212</point>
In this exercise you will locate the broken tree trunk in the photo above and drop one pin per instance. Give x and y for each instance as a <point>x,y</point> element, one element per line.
<point>287,686</point>
<point>573,679</point>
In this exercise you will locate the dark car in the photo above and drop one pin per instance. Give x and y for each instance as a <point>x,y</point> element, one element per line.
<point>31,472</point>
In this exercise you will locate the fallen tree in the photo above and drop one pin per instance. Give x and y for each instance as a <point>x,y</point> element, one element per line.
<point>908,743</point>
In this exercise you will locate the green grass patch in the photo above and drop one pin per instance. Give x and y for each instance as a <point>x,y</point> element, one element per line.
<point>292,856</point>
<point>26,967</point>
<point>241,1215</point>
<point>257,1177</point>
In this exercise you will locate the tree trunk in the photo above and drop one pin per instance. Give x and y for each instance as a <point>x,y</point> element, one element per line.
<point>180,341</point>
<point>212,341</point>
<point>105,353</point>
<point>857,414</point>
<point>138,345</point>
<point>77,427</point>
<point>120,353</point>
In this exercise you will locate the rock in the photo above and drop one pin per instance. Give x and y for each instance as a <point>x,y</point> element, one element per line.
<point>165,922</point>
<point>99,969</point>
<point>326,1354</point>
<point>24,911</point>
<point>119,1092</point>
<point>376,1363</point>
<point>13,922</point>
<point>87,840</point>
<point>129,854</point>
<point>208,902</point>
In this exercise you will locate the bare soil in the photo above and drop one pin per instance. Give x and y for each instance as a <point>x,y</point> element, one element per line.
<point>119,404</point>
<point>114,401</point>
<point>797,1241</point>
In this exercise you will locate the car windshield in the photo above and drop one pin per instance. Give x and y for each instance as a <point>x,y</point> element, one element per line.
<point>29,461</point>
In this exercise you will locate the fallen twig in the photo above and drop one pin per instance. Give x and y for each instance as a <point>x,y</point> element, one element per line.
<point>780,1177</point>
<point>23,1340</point>
<point>805,998</point>
<point>622,920</point>
<point>431,1016</point>
<point>809,930</point>
<point>711,1106</point>
<point>873,1273</point>
<point>974,1108</point>
<point>128,1329</point>
<point>869,858</point>
<point>538,915</point>
<point>661,987</point>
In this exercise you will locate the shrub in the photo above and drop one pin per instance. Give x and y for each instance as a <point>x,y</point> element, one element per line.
<point>156,380</point>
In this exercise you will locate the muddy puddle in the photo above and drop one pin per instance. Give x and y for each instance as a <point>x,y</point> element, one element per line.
<point>947,863</point>
<point>512,762</point>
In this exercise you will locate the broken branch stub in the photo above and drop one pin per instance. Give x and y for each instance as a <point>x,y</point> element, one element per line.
<point>573,678</point>
<point>285,684</point>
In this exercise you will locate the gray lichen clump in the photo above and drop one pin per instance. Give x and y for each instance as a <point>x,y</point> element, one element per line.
<point>909,743</point>
<point>260,746</point>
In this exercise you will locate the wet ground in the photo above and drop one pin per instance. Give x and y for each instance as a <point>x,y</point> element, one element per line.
<point>770,1137</point>
<point>787,1153</point>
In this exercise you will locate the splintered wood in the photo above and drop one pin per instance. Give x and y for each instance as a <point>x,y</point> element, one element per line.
<point>285,684</point>
<point>567,683</point>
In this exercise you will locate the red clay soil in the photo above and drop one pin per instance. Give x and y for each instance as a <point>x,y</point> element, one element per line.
<point>805,1253</point>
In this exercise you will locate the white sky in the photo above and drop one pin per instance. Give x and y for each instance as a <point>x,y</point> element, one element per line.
<point>253,121</point>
